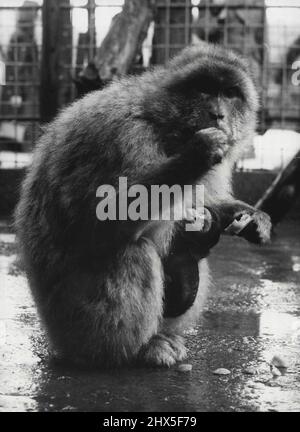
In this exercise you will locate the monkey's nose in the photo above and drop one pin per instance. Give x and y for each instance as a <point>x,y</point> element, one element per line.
<point>216,115</point>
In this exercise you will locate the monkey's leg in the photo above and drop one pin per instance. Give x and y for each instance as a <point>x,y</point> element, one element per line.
<point>115,315</point>
<point>138,286</point>
<point>164,348</point>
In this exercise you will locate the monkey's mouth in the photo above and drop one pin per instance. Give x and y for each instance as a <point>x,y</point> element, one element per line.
<point>220,125</point>
<point>223,127</point>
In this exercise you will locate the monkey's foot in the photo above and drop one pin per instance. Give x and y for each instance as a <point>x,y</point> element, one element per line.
<point>164,350</point>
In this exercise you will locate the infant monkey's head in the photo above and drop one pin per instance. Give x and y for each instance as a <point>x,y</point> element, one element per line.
<point>208,86</point>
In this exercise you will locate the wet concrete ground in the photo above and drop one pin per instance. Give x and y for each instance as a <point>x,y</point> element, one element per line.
<point>252,314</point>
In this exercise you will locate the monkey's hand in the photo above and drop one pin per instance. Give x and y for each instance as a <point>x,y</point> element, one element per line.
<point>213,144</point>
<point>257,229</point>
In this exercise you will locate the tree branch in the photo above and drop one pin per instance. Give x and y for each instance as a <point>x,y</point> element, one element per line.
<point>124,39</point>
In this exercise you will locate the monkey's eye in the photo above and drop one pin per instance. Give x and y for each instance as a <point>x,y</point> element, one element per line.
<point>233,92</point>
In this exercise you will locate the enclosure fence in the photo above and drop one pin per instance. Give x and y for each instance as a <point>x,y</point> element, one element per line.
<point>265,31</point>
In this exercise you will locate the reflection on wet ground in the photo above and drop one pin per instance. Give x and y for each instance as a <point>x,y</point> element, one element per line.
<point>252,314</point>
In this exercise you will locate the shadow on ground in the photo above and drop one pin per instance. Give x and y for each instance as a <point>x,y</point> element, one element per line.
<point>252,314</point>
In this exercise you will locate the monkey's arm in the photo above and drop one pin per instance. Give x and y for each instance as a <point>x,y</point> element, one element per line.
<point>204,150</point>
<point>200,155</point>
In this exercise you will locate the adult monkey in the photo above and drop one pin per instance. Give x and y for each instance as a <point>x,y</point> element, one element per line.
<point>99,286</point>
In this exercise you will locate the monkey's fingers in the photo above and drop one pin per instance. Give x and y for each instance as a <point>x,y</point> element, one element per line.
<point>264,226</point>
<point>258,230</point>
<point>217,142</point>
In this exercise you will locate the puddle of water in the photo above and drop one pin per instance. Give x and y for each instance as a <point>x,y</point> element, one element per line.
<point>266,323</point>
<point>232,323</point>
<point>279,324</point>
<point>16,403</point>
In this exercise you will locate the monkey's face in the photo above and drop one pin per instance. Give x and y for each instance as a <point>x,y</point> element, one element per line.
<point>215,90</point>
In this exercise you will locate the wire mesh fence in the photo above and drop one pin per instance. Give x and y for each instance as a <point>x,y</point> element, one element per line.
<point>265,31</point>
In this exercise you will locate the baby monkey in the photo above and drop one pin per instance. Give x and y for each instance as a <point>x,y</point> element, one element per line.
<point>100,285</point>
<point>189,247</point>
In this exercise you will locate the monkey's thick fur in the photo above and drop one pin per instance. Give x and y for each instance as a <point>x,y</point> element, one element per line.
<point>99,286</point>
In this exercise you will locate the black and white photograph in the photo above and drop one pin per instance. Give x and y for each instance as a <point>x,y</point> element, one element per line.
<point>149,209</point>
